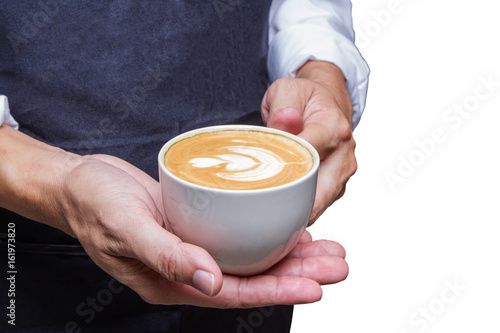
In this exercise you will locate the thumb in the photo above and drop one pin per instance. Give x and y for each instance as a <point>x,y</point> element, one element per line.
<point>175,260</point>
<point>283,106</point>
<point>287,119</point>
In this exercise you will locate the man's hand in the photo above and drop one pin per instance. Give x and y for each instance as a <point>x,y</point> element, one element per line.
<point>115,211</point>
<point>316,106</point>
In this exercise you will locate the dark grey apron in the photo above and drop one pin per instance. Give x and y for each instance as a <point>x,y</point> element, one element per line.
<point>122,77</point>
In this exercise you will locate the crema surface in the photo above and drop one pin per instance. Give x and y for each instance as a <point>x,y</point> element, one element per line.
<point>238,160</point>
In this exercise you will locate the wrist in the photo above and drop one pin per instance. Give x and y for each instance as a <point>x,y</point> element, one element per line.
<point>32,174</point>
<point>330,77</point>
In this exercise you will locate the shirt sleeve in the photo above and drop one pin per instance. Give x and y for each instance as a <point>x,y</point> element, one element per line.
<point>303,30</point>
<point>5,116</point>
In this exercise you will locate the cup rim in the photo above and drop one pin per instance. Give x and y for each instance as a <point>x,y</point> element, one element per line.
<point>238,127</point>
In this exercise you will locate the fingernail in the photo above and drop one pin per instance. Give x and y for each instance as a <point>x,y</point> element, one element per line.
<point>204,282</point>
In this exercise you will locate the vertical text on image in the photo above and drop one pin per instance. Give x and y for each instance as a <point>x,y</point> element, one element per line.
<point>11,273</point>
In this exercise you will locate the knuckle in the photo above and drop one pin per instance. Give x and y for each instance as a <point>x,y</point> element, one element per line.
<point>110,246</point>
<point>168,263</point>
<point>332,144</point>
<point>353,166</point>
<point>340,195</point>
<point>344,130</point>
<point>339,136</point>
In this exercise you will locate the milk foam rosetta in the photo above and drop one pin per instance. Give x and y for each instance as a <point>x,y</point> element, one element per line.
<point>238,160</point>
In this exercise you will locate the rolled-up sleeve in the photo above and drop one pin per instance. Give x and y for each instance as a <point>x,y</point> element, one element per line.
<point>5,116</point>
<point>303,30</point>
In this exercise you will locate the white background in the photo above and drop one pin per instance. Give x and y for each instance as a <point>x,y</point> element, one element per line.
<point>438,225</point>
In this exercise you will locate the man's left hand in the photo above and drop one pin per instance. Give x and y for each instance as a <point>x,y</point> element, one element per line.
<point>316,106</point>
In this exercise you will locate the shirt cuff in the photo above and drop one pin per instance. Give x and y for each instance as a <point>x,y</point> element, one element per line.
<point>5,116</point>
<point>314,42</point>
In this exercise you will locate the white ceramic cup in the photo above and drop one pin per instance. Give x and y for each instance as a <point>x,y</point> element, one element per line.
<point>245,231</point>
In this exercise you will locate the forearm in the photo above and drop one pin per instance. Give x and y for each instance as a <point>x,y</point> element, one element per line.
<point>331,77</point>
<point>31,176</point>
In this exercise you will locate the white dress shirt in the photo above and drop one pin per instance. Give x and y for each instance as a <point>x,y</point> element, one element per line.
<point>5,116</point>
<point>302,30</point>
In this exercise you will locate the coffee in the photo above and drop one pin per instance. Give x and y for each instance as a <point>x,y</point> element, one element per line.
<point>238,159</point>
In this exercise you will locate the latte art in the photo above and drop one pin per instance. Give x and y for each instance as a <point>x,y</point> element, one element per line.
<point>238,160</point>
<point>244,163</point>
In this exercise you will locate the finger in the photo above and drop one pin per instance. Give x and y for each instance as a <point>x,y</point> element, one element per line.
<point>323,269</point>
<point>265,290</point>
<point>316,249</point>
<point>333,175</point>
<point>328,190</point>
<point>283,105</point>
<point>236,292</point>
<point>287,119</point>
<point>341,193</point>
<point>305,237</point>
<point>326,130</point>
<point>173,259</point>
